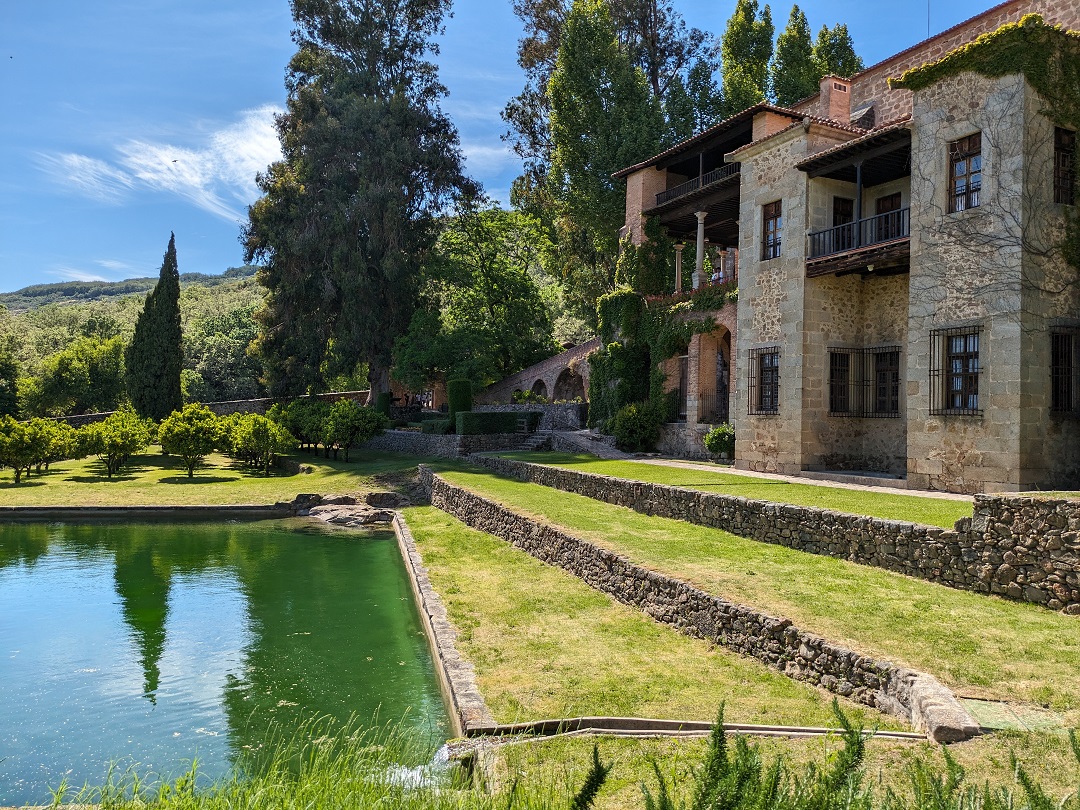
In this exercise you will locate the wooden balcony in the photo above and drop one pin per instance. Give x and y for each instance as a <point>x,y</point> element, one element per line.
<point>882,240</point>
<point>690,186</point>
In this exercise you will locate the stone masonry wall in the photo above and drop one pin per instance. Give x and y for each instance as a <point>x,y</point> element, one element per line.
<point>412,443</point>
<point>776,642</point>
<point>547,371</point>
<point>564,416</point>
<point>1021,548</point>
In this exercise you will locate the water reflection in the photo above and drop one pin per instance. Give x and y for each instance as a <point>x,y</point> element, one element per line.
<point>159,642</point>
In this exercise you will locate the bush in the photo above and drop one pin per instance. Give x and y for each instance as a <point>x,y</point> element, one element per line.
<point>436,427</point>
<point>191,433</point>
<point>721,440</point>
<point>459,397</point>
<point>636,426</point>
<point>350,424</point>
<point>474,423</point>
<point>528,398</point>
<point>383,401</point>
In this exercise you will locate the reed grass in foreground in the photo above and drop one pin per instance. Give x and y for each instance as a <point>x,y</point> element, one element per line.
<point>361,770</point>
<point>546,645</point>
<point>979,645</point>
<point>886,505</point>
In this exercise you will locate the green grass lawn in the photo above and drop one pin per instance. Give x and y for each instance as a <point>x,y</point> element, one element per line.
<point>154,479</point>
<point>546,645</point>
<point>888,505</point>
<point>981,646</point>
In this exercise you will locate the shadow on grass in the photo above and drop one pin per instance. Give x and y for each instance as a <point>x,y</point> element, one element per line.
<point>198,479</point>
<point>126,475</point>
<point>10,484</point>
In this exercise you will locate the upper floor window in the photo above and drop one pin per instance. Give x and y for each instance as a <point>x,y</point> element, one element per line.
<point>772,225</point>
<point>954,371</point>
<point>965,172</point>
<point>1064,166</point>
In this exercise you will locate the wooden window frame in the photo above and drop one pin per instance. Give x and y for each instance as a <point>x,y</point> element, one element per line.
<point>1064,166</point>
<point>965,173</point>
<point>1065,371</point>
<point>955,371</point>
<point>772,228</point>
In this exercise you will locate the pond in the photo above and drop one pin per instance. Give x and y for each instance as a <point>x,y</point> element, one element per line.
<point>149,645</point>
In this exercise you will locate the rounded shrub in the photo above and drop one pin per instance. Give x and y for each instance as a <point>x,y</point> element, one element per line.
<point>721,440</point>
<point>459,397</point>
<point>636,426</point>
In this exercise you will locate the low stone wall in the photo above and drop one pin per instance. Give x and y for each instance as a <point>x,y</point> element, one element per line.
<point>914,696</point>
<point>1026,549</point>
<point>414,443</point>
<point>683,441</point>
<point>562,416</point>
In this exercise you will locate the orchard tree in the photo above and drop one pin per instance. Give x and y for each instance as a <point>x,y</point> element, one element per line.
<point>116,439</point>
<point>155,355</point>
<point>349,215</point>
<point>20,446</point>
<point>350,424</point>
<point>259,441</point>
<point>191,434</point>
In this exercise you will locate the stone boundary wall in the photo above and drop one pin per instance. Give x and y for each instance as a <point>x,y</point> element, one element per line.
<point>457,677</point>
<point>1026,549</point>
<point>413,443</point>
<point>914,696</point>
<point>562,416</point>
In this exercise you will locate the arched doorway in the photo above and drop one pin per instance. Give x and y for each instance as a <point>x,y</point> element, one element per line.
<point>714,377</point>
<point>540,389</point>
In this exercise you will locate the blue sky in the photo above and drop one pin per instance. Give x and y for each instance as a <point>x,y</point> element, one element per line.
<point>124,120</point>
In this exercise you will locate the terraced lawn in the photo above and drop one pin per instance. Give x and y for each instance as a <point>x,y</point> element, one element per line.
<point>981,646</point>
<point>887,505</point>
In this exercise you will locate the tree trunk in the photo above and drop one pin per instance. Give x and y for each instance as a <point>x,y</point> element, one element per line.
<point>378,382</point>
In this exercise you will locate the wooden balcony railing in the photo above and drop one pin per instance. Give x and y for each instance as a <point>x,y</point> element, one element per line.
<point>727,170</point>
<point>864,233</point>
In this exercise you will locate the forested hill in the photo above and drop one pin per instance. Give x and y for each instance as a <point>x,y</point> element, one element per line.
<point>80,292</point>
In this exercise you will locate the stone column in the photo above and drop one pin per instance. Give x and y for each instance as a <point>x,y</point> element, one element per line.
<point>679,247</point>
<point>699,260</point>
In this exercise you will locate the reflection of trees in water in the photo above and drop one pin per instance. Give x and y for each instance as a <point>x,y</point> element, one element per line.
<point>23,544</point>
<point>143,588</point>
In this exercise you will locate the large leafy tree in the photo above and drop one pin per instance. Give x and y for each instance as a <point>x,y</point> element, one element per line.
<point>834,52</point>
<point>86,377</point>
<point>794,71</point>
<point>603,118</point>
<point>155,354</point>
<point>484,316</point>
<point>745,49</point>
<point>348,216</point>
<point>9,383</point>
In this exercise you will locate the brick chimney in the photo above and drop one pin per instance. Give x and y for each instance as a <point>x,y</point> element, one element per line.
<point>835,100</point>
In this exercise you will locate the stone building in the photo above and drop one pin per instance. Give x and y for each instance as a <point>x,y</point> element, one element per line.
<point>904,308</point>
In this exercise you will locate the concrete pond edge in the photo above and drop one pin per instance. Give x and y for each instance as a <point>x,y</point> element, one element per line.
<point>916,697</point>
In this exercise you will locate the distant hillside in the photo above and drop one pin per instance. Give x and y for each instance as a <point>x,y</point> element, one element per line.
<point>79,292</point>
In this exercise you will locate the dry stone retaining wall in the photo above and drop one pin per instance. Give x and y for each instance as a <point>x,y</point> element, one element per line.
<point>413,443</point>
<point>914,696</point>
<point>1022,548</point>
<point>560,416</point>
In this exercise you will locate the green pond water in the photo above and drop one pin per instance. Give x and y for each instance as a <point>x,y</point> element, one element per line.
<point>149,645</point>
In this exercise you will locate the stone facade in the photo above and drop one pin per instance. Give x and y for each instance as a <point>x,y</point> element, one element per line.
<point>914,696</point>
<point>876,268</point>
<point>1026,549</point>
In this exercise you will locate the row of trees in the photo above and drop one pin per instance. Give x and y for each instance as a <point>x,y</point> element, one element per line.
<point>191,433</point>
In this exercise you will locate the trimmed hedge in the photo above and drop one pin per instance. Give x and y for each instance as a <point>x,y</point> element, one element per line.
<point>438,427</point>
<point>474,423</point>
<point>459,397</point>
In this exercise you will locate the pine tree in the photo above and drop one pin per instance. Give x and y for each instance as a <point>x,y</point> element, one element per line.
<point>794,71</point>
<point>834,52</point>
<point>349,215</point>
<point>705,94</point>
<point>745,51</point>
<point>155,355</point>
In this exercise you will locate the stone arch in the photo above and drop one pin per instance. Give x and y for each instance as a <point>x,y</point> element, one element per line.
<point>713,376</point>
<point>569,385</point>
<point>540,388</point>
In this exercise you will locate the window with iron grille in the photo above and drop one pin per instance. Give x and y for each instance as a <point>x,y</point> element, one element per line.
<point>954,371</point>
<point>1064,371</point>
<point>965,172</point>
<point>1064,166</point>
<point>764,380</point>
<point>772,226</point>
<point>864,382</point>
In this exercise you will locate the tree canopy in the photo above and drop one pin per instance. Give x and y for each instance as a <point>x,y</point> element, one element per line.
<point>794,73</point>
<point>745,50</point>
<point>348,216</point>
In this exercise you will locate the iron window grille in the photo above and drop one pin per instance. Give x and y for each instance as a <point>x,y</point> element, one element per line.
<point>965,172</point>
<point>764,381</point>
<point>772,226</point>
<point>955,369</point>
<point>864,382</point>
<point>1064,166</point>
<point>1064,371</point>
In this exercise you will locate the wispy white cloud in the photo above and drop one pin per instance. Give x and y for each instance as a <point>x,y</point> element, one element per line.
<point>487,159</point>
<point>87,176</point>
<point>75,274</point>
<point>115,265</point>
<point>217,176</point>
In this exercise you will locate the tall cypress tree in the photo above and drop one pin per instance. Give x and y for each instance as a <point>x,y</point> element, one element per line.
<point>155,354</point>
<point>794,71</point>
